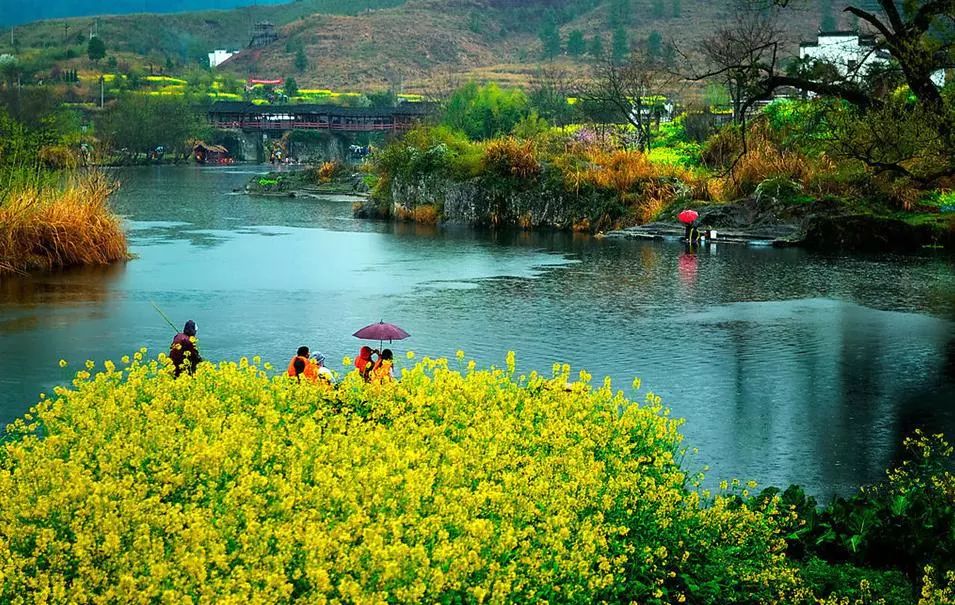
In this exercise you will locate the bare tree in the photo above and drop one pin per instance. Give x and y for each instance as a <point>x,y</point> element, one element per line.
<point>548,92</point>
<point>906,35</point>
<point>443,82</point>
<point>740,54</point>
<point>633,91</point>
<point>747,56</point>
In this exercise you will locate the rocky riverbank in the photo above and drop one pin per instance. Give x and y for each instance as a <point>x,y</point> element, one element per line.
<point>822,224</point>
<point>308,181</point>
<point>758,220</point>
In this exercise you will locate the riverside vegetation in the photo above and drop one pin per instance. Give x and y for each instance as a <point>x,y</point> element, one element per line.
<point>454,484</point>
<point>53,214</point>
<point>495,162</point>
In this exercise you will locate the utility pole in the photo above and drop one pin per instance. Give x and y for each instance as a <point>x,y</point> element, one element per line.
<point>66,32</point>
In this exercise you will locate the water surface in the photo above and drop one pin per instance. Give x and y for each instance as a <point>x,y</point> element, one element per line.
<point>789,367</point>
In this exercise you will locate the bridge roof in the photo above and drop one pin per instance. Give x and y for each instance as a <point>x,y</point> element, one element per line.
<point>243,107</point>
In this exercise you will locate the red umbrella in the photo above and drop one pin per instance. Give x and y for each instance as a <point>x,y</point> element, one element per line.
<point>381,332</point>
<point>687,217</point>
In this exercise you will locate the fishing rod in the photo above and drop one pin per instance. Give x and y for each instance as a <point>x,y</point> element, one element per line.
<point>158,310</point>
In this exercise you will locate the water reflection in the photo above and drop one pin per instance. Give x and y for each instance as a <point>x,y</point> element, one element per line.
<point>789,367</point>
<point>71,286</point>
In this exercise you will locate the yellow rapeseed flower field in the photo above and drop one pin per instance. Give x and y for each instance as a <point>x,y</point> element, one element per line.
<point>451,486</point>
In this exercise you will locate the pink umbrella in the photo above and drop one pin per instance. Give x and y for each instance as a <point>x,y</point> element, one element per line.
<point>381,332</point>
<point>687,217</point>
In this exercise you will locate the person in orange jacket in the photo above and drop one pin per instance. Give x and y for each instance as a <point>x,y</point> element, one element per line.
<point>301,366</point>
<point>364,363</point>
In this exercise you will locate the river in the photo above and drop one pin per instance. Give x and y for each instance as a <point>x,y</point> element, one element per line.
<point>789,367</point>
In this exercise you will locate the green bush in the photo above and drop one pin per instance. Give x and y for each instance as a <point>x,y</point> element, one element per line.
<point>845,581</point>
<point>904,523</point>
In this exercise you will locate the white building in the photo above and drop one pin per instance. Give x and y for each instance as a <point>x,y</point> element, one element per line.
<point>847,51</point>
<point>218,57</point>
<point>851,53</point>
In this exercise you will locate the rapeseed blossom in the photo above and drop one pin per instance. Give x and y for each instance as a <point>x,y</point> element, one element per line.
<point>233,486</point>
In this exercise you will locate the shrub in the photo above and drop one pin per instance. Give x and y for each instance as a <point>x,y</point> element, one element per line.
<point>844,581</point>
<point>781,189</point>
<point>511,159</point>
<point>428,151</point>
<point>328,171</point>
<point>904,523</point>
<point>47,228</point>
<point>446,486</point>
<point>938,588</point>
<point>425,214</point>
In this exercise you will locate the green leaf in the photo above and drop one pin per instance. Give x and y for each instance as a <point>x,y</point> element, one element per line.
<point>899,505</point>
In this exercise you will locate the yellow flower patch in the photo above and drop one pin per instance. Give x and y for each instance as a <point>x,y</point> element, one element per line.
<point>233,486</point>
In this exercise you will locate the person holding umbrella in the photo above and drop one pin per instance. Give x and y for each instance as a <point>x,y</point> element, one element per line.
<point>689,217</point>
<point>384,366</point>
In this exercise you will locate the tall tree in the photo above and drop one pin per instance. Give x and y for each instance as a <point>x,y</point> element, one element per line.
<point>549,90</point>
<point>301,60</point>
<point>576,45</point>
<point>291,87</point>
<point>619,13</point>
<point>596,46</point>
<point>655,44</point>
<point>620,46</point>
<point>677,8</point>
<point>96,49</point>
<point>550,39</point>
<point>658,9</point>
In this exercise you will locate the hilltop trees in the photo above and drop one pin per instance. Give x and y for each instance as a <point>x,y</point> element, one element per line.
<point>301,60</point>
<point>619,46</point>
<point>550,39</point>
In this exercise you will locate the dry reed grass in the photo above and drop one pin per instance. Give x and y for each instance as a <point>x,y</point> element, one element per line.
<point>765,159</point>
<point>510,158</point>
<point>44,228</point>
<point>643,186</point>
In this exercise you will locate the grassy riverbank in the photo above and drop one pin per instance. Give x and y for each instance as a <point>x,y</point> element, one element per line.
<point>45,228</point>
<point>53,214</point>
<point>453,485</point>
<point>497,163</point>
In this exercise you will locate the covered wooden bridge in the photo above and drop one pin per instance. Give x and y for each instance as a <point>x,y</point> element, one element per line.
<point>249,116</point>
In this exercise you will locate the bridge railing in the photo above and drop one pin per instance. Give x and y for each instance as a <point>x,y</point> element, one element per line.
<point>296,125</point>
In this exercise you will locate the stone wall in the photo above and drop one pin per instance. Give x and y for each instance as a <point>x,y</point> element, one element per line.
<point>477,202</point>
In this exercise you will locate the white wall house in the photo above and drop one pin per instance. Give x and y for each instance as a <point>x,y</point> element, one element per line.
<point>851,53</point>
<point>218,57</point>
<point>848,52</point>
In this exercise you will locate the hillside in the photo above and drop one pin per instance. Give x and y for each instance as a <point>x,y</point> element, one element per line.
<point>417,44</point>
<point>422,41</point>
